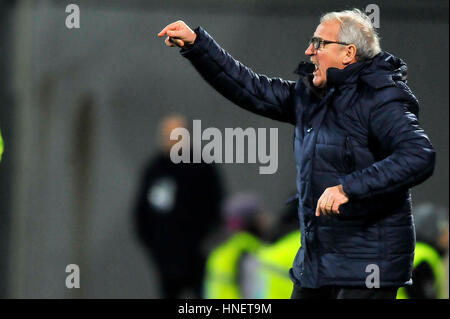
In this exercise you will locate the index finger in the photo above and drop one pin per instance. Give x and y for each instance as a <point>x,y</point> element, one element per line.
<point>172,26</point>
<point>317,207</point>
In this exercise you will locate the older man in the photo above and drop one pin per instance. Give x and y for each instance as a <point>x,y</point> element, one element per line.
<point>358,150</point>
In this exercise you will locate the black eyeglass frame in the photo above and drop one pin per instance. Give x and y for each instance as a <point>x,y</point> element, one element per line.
<point>318,42</point>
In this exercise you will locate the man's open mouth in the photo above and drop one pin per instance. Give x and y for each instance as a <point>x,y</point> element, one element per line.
<point>316,67</point>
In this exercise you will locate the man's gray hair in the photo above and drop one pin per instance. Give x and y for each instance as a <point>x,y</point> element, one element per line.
<point>356,28</point>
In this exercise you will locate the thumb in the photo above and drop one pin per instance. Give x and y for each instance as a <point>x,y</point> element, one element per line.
<point>177,42</point>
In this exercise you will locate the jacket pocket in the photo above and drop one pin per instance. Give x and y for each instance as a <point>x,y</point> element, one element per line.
<point>357,242</point>
<point>348,155</point>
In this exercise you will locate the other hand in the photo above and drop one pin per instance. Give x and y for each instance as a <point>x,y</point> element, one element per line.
<point>333,197</point>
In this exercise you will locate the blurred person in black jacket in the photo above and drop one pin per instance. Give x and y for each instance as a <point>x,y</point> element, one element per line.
<point>177,207</point>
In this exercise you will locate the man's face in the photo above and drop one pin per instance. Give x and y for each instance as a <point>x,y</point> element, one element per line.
<point>167,125</point>
<point>329,55</point>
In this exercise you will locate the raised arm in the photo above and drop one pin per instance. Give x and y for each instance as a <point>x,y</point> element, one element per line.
<point>270,97</point>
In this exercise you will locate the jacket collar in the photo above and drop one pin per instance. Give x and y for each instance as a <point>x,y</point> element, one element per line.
<point>335,77</point>
<point>349,75</point>
<point>380,71</point>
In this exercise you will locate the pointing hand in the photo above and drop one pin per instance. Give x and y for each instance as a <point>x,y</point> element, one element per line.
<point>178,34</point>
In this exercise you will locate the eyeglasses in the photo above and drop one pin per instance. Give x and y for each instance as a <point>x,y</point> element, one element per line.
<point>318,42</point>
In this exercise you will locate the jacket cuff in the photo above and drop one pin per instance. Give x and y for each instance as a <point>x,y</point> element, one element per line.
<point>347,186</point>
<point>197,46</point>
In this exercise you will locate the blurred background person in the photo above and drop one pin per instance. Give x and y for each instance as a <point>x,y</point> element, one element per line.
<point>432,246</point>
<point>1,146</point>
<point>246,223</point>
<point>275,259</point>
<point>177,206</point>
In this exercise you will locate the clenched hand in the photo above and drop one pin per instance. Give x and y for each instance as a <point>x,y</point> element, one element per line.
<point>178,34</point>
<point>333,197</point>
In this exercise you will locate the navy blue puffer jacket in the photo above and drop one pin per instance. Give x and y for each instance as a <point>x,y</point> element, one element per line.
<point>361,132</point>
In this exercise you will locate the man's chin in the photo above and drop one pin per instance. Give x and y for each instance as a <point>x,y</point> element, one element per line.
<point>318,83</point>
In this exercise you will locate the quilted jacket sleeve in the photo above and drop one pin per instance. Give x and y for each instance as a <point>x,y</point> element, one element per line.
<point>269,97</point>
<point>411,160</point>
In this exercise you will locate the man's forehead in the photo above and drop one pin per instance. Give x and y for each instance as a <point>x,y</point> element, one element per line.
<point>328,30</point>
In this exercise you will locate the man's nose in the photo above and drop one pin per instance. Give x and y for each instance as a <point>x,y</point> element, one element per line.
<point>309,50</point>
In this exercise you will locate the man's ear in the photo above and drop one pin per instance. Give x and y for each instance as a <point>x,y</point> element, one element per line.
<point>350,54</point>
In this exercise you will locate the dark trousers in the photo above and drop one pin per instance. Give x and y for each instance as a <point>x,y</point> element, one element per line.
<point>336,292</point>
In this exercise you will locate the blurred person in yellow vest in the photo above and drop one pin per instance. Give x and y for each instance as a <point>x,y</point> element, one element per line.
<point>1,146</point>
<point>274,261</point>
<point>274,264</point>
<point>432,244</point>
<point>246,221</point>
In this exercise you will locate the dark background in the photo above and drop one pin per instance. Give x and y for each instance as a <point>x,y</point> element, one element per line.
<point>79,111</point>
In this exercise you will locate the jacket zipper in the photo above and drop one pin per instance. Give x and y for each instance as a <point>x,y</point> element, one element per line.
<point>349,157</point>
